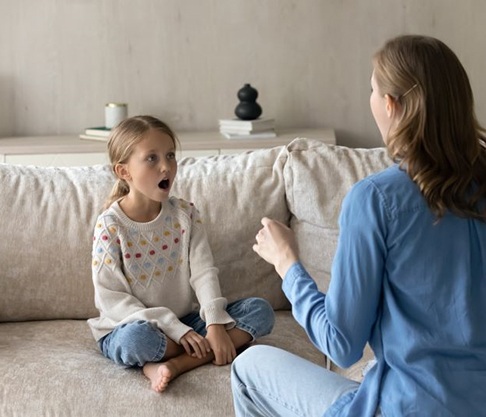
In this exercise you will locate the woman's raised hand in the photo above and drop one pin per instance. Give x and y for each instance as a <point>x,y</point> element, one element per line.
<point>275,243</point>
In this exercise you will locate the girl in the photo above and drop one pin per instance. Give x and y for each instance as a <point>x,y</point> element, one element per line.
<point>150,252</point>
<point>409,273</point>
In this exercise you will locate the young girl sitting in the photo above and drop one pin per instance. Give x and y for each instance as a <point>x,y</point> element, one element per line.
<point>150,252</point>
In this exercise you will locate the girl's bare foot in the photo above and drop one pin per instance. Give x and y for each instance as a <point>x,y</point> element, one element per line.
<point>160,374</point>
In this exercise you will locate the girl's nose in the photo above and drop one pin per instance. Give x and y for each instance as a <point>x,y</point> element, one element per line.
<point>164,166</point>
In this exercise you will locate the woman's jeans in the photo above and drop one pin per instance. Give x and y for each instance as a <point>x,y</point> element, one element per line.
<point>139,342</point>
<point>267,381</point>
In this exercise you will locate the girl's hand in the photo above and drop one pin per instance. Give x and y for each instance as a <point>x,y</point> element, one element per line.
<point>195,345</point>
<point>276,244</point>
<point>221,344</point>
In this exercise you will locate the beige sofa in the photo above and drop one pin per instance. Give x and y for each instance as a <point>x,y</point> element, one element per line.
<point>49,362</point>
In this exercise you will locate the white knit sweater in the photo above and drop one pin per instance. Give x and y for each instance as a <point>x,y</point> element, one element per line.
<point>150,271</point>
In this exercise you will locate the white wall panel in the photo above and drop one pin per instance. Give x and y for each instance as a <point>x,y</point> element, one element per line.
<point>184,60</point>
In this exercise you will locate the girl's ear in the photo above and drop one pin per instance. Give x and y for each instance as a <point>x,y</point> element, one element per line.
<point>121,172</point>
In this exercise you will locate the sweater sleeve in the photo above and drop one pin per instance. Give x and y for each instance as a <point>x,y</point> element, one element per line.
<point>340,323</point>
<point>113,295</point>
<point>204,277</point>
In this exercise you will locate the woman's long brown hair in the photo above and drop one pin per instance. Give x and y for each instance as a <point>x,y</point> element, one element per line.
<point>437,138</point>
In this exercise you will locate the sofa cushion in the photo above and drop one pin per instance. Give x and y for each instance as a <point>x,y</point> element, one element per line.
<point>54,368</point>
<point>233,193</point>
<point>49,215</point>
<point>317,177</point>
<point>45,250</point>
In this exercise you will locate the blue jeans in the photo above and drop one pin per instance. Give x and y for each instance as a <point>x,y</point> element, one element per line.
<point>267,381</point>
<point>139,342</point>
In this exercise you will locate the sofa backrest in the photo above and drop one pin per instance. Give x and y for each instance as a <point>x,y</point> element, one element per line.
<point>317,177</point>
<point>47,217</point>
<point>233,193</point>
<point>46,220</point>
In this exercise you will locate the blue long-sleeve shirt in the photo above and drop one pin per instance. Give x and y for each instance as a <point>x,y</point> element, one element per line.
<point>415,289</point>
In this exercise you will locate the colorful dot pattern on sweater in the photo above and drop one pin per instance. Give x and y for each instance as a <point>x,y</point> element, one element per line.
<point>148,257</point>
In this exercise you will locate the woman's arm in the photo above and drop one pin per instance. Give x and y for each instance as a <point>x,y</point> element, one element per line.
<point>338,323</point>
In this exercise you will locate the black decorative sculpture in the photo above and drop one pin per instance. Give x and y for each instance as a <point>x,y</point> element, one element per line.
<point>248,108</point>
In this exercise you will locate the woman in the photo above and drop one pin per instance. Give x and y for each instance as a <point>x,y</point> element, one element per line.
<point>409,273</point>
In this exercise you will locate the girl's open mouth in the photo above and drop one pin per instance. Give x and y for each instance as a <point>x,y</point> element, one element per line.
<point>164,184</point>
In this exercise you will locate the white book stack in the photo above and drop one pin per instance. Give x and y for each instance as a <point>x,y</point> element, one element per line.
<point>96,133</point>
<point>247,129</point>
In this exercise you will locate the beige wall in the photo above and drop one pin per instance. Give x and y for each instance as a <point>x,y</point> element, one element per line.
<point>184,60</point>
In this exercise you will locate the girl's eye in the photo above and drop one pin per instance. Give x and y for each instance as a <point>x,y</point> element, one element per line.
<point>152,158</point>
<point>171,155</point>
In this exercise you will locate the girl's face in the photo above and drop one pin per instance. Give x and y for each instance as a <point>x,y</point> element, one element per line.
<point>381,108</point>
<point>151,169</point>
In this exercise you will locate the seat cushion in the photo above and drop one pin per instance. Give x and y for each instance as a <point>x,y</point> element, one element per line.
<point>54,368</point>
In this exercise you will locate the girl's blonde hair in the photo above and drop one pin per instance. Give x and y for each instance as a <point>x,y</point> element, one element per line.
<point>121,143</point>
<point>437,139</point>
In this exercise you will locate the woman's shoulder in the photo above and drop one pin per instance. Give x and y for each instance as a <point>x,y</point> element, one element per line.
<point>392,188</point>
<point>392,173</point>
<point>389,180</point>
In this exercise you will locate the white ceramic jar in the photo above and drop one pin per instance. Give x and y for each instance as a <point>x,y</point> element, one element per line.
<point>115,113</point>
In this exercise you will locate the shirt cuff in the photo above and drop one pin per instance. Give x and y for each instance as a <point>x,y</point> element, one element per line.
<point>292,274</point>
<point>176,331</point>
<point>216,313</point>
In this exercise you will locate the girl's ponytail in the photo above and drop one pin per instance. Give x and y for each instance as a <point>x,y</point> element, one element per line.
<point>120,189</point>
